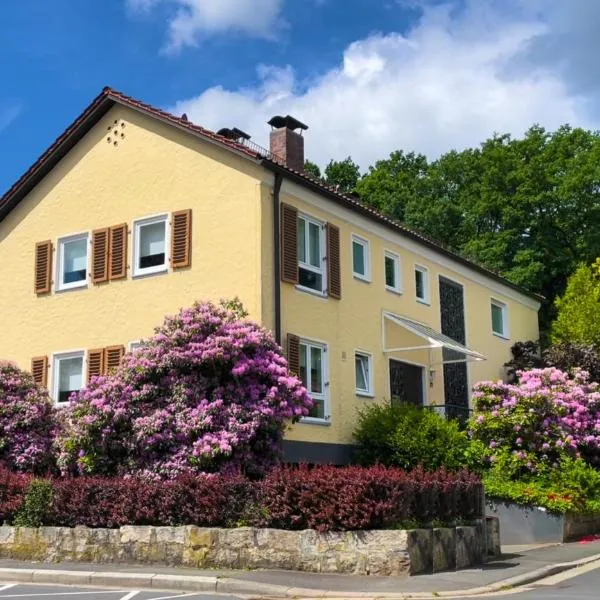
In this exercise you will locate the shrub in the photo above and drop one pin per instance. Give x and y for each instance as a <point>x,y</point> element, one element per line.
<point>525,356</point>
<point>548,414</point>
<point>207,393</point>
<point>26,421</point>
<point>12,491</point>
<point>406,436</point>
<point>351,498</point>
<point>571,357</point>
<point>37,503</point>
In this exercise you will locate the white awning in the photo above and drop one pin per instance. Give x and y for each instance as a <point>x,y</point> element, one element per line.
<point>452,351</point>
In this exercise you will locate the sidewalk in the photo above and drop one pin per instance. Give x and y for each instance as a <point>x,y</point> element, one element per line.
<point>510,570</point>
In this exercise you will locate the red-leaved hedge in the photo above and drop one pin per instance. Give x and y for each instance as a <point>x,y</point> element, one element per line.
<point>321,498</point>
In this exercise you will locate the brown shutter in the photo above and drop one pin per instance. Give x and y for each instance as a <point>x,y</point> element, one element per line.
<point>293,353</point>
<point>117,260</point>
<point>289,244</point>
<point>112,357</point>
<point>100,255</point>
<point>95,362</point>
<point>43,267</point>
<point>333,261</point>
<point>181,238</point>
<point>39,370</point>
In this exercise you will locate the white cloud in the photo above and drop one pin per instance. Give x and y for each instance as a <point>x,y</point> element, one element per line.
<point>449,82</point>
<point>194,18</point>
<point>8,113</point>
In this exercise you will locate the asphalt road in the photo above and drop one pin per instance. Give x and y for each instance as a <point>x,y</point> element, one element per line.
<point>56,592</point>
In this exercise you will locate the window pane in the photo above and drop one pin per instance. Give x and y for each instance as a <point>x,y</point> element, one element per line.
<point>302,240</point>
<point>318,409</point>
<point>152,245</point>
<point>362,372</point>
<point>314,235</point>
<point>311,280</point>
<point>497,319</point>
<point>390,272</point>
<point>303,373</point>
<point>358,258</point>
<point>75,261</point>
<point>70,377</point>
<point>316,375</point>
<point>420,284</point>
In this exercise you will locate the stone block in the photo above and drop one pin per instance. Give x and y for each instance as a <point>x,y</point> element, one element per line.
<point>469,547</point>
<point>492,536</point>
<point>444,549</point>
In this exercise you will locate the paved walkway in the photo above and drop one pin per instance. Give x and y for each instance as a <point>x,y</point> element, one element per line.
<point>511,569</point>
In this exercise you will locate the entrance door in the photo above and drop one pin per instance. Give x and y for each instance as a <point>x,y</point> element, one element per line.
<point>456,383</point>
<point>406,383</point>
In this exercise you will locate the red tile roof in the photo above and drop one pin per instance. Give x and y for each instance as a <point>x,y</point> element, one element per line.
<point>109,97</point>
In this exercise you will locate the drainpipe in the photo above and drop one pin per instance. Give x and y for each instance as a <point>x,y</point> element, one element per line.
<point>277,256</point>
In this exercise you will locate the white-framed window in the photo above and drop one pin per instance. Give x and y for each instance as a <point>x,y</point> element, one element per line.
<point>311,254</point>
<point>67,374</point>
<point>150,245</point>
<point>135,345</point>
<point>392,272</point>
<point>422,284</point>
<point>361,259</point>
<point>363,366</point>
<point>313,373</point>
<point>499,318</point>
<point>72,262</point>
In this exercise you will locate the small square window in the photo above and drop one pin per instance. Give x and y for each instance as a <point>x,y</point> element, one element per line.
<point>499,319</point>
<point>361,267</point>
<point>151,244</point>
<point>312,374</point>
<point>422,284</point>
<point>67,375</point>
<point>392,272</point>
<point>363,374</point>
<point>311,253</point>
<point>133,346</point>
<point>72,262</point>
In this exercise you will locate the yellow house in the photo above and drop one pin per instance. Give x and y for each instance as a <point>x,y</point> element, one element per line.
<point>134,213</point>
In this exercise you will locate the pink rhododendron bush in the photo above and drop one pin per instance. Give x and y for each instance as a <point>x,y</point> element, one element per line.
<point>545,416</point>
<point>209,392</point>
<point>26,421</point>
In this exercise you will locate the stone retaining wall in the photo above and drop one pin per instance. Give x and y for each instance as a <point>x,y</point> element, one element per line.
<point>386,552</point>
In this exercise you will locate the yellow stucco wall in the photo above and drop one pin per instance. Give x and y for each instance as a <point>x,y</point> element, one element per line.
<point>154,169</point>
<point>354,322</point>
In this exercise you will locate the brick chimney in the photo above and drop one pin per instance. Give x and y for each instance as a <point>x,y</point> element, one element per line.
<point>286,143</point>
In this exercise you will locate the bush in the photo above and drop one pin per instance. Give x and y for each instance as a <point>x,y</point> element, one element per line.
<point>207,393</point>
<point>546,416</point>
<point>324,498</point>
<point>406,436</point>
<point>26,421</point>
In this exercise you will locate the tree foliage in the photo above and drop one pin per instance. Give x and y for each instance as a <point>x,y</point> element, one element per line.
<point>343,175</point>
<point>208,392</point>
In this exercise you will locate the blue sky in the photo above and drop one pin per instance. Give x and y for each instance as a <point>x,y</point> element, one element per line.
<point>368,76</point>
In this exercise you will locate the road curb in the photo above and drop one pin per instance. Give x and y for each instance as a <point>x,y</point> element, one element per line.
<point>257,589</point>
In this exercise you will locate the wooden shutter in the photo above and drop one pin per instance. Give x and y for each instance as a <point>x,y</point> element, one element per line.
<point>95,362</point>
<point>289,244</point>
<point>293,353</point>
<point>117,260</point>
<point>39,370</point>
<point>100,255</point>
<point>181,238</point>
<point>112,357</point>
<point>43,267</point>
<point>334,275</point>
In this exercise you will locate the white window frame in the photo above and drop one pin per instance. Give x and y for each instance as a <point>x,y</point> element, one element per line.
<point>326,420</point>
<point>504,308</point>
<point>60,261</point>
<point>366,245</point>
<point>368,393</point>
<point>134,345</point>
<point>323,248</point>
<point>137,225</point>
<point>397,272</point>
<point>56,358</point>
<point>426,285</point>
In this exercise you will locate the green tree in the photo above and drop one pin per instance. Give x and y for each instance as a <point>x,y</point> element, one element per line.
<point>312,169</point>
<point>342,174</point>
<point>578,310</point>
